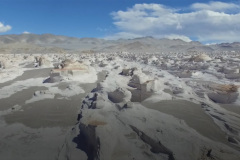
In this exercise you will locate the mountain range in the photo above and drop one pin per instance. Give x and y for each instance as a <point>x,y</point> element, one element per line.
<point>49,43</point>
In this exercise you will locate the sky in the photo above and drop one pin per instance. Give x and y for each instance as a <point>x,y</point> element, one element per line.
<point>189,20</point>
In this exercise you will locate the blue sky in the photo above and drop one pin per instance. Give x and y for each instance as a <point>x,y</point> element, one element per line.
<point>113,19</point>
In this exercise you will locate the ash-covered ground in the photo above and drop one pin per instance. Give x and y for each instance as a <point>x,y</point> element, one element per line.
<point>105,106</point>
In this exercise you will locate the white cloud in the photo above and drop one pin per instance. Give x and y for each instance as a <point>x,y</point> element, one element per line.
<point>205,22</point>
<point>215,6</point>
<point>26,32</point>
<point>4,28</point>
<point>174,36</point>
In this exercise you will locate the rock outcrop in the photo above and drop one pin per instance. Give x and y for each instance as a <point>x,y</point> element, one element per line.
<point>41,61</point>
<point>201,58</point>
<point>223,93</point>
<point>68,69</point>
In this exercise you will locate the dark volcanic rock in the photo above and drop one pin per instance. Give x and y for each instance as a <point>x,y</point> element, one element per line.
<point>116,96</point>
<point>231,129</point>
<point>135,82</point>
<point>218,118</point>
<point>224,98</point>
<point>177,90</point>
<point>98,88</point>
<point>139,93</point>
<point>156,147</point>
<point>88,142</point>
<point>232,140</point>
<point>127,72</point>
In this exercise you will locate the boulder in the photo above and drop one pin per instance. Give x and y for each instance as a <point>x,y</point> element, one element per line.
<point>69,68</point>
<point>177,90</point>
<point>116,96</point>
<point>128,72</point>
<point>135,82</point>
<point>226,88</point>
<point>224,98</point>
<point>184,74</point>
<point>201,58</point>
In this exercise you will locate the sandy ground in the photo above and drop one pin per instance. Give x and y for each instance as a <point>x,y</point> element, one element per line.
<point>192,114</point>
<point>232,107</point>
<point>38,129</point>
<point>18,98</point>
<point>36,73</point>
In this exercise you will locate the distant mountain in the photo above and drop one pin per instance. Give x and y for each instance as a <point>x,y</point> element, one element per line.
<point>46,43</point>
<point>235,46</point>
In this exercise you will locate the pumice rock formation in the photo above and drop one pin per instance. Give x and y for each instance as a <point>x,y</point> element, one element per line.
<point>147,99</point>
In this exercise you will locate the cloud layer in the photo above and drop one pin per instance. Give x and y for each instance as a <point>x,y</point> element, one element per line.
<point>4,28</point>
<point>205,22</point>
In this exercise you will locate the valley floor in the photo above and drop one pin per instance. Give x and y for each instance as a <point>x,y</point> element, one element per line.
<point>119,106</point>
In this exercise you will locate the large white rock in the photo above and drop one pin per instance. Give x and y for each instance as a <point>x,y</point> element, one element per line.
<point>73,70</point>
<point>201,58</point>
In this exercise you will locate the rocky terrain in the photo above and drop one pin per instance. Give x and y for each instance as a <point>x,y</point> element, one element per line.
<point>138,99</point>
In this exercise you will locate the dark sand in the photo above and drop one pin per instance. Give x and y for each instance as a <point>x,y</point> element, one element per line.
<point>48,112</point>
<point>193,115</point>
<point>35,73</point>
<point>232,108</point>
<point>39,131</point>
<point>18,98</point>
